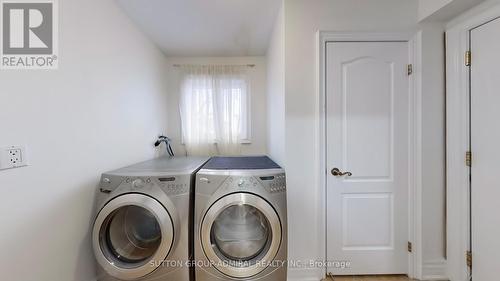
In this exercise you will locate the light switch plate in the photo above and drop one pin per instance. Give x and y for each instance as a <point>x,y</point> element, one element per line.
<point>13,156</point>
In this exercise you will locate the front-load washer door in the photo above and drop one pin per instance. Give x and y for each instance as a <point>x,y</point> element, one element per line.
<point>132,236</point>
<point>241,235</point>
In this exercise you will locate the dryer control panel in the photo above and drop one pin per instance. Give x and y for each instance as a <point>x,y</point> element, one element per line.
<point>271,183</point>
<point>274,184</point>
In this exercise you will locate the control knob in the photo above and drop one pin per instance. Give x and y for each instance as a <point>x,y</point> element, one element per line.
<point>138,183</point>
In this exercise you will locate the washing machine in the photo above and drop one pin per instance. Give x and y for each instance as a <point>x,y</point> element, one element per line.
<point>142,228</point>
<point>240,220</point>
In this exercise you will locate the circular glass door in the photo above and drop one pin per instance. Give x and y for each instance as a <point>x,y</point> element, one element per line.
<point>132,234</point>
<point>129,233</point>
<point>240,234</point>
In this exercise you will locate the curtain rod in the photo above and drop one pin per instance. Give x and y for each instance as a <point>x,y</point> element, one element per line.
<point>247,65</point>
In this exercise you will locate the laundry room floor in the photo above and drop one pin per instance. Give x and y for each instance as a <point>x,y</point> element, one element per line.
<point>371,278</point>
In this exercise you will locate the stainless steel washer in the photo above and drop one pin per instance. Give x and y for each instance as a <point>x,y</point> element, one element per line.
<point>240,220</point>
<point>143,223</point>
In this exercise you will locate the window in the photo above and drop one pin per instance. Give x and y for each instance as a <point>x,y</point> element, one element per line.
<point>214,109</point>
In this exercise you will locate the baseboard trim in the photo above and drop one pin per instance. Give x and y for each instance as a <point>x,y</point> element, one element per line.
<point>302,279</point>
<point>304,274</point>
<point>434,270</point>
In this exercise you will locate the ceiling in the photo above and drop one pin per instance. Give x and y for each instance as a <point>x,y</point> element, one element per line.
<point>206,27</point>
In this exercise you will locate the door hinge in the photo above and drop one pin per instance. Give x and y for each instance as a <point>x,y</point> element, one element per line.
<point>468,258</point>
<point>410,247</point>
<point>410,69</point>
<point>468,58</point>
<point>468,159</point>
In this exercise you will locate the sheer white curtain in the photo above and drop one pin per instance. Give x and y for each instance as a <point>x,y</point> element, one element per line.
<point>214,109</point>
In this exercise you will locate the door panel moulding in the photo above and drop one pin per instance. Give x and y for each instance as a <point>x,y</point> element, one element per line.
<point>415,259</point>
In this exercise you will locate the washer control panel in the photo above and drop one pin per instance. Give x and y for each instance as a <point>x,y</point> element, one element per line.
<point>137,182</point>
<point>109,183</point>
<point>173,185</point>
<point>170,185</point>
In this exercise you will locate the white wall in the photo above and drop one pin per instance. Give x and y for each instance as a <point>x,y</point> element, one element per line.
<point>433,149</point>
<point>257,76</point>
<point>443,10</point>
<point>276,91</point>
<point>302,20</point>
<point>102,109</point>
<point>429,7</point>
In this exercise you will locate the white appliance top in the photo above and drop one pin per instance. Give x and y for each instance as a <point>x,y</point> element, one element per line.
<point>240,163</point>
<point>163,166</point>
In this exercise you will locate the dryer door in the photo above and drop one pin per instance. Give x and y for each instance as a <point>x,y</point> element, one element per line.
<point>241,234</point>
<point>132,235</point>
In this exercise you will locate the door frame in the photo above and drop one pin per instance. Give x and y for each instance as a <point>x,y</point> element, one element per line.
<point>415,263</point>
<point>458,135</point>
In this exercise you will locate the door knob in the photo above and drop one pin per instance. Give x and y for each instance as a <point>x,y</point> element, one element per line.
<point>336,172</point>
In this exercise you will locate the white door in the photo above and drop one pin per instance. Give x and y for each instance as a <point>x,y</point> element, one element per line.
<point>368,135</point>
<point>485,145</point>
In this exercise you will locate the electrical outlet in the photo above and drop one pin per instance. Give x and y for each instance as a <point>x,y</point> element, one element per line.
<point>13,157</point>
